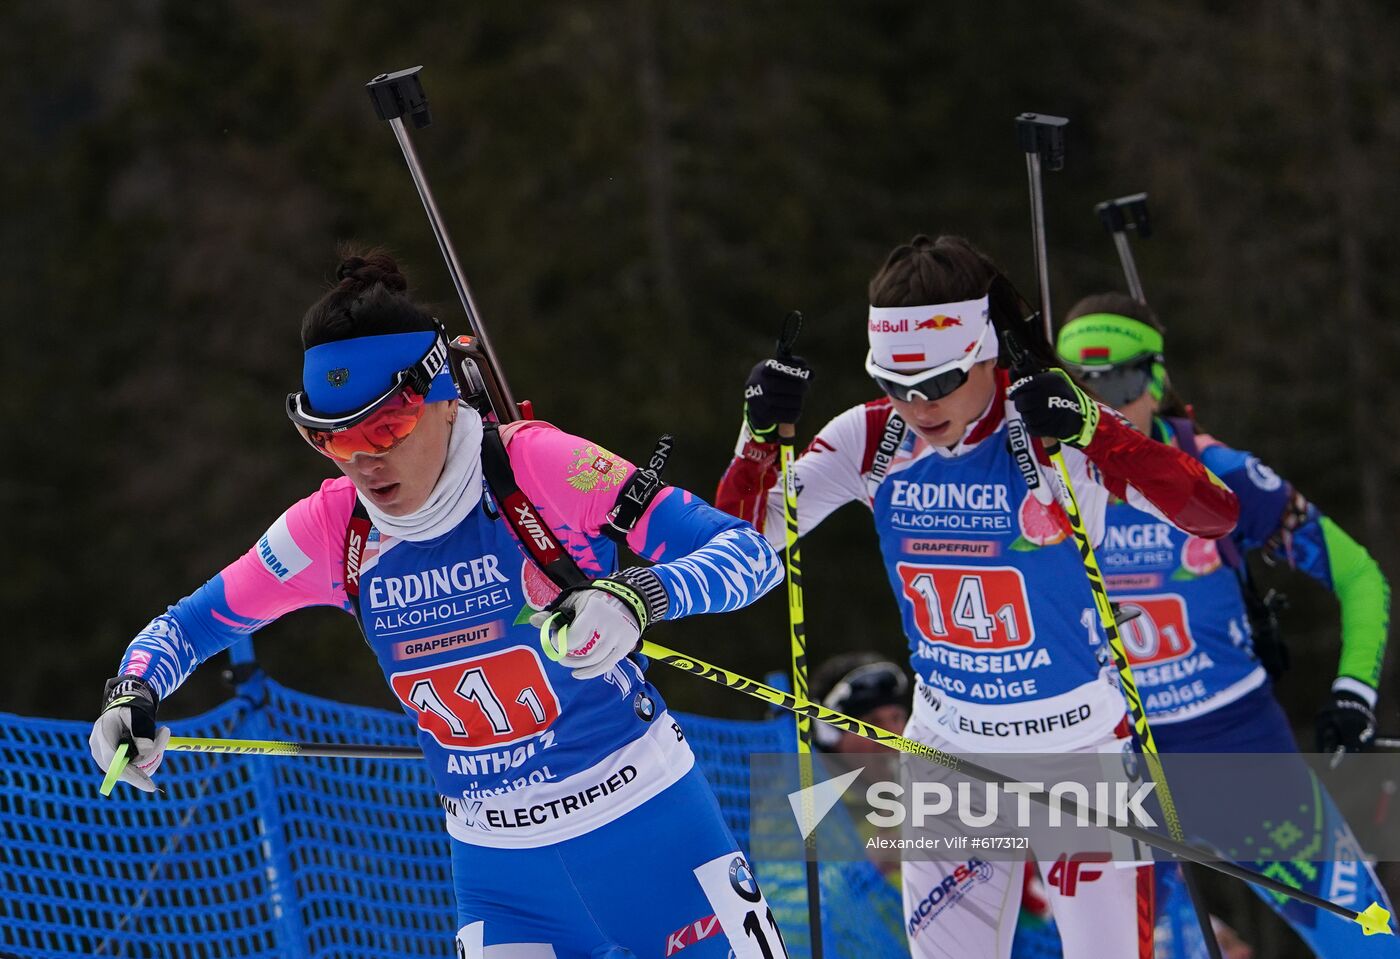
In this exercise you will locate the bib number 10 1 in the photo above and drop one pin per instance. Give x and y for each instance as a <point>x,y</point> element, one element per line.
<point>972,607</point>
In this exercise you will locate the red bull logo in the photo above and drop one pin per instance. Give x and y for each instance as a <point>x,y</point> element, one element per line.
<point>939,322</point>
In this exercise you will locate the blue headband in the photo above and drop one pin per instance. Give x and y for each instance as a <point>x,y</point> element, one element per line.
<point>345,375</point>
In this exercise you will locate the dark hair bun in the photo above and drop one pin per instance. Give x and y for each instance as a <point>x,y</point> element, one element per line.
<point>359,273</point>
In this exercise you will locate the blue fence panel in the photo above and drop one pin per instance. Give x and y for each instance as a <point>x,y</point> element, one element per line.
<point>245,856</point>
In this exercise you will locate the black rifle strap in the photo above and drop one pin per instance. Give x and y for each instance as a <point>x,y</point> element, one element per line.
<point>538,540</point>
<point>641,488</point>
<point>523,518</point>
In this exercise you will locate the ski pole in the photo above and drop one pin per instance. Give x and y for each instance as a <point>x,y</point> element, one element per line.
<point>397,94</point>
<point>262,747</point>
<point>1042,139</point>
<point>114,770</point>
<point>1119,216</point>
<point>797,633</point>
<point>271,747</point>
<point>1373,919</point>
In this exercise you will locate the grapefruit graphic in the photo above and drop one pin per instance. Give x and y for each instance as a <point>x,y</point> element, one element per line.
<point>1200,557</point>
<point>1041,525</point>
<point>539,589</point>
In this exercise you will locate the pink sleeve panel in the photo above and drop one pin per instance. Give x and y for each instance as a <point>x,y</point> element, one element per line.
<point>574,482</point>
<point>297,562</point>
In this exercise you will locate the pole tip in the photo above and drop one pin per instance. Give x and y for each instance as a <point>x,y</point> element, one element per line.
<point>118,766</point>
<point>1373,919</point>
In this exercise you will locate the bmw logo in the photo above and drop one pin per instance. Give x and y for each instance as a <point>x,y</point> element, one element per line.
<point>741,877</point>
<point>644,707</point>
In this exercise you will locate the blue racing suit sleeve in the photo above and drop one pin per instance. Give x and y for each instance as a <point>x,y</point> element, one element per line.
<point>711,562</point>
<point>296,563</point>
<point>1277,518</point>
<point>1264,495</point>
<point>708,561</point>
<point>185,635</point>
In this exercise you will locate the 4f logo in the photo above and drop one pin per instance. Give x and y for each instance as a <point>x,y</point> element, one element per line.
<point>1069,871</point>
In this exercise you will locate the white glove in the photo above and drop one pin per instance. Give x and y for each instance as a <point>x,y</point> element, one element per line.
<point>592,629</point>
<point>129,716</point>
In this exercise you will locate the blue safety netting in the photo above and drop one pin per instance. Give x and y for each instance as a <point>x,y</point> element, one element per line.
<point>256,856</point>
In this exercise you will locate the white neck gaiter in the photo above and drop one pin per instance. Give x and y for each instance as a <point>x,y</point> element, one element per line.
<point>456,494</point>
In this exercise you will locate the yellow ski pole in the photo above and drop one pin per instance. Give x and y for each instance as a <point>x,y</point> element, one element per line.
<point>262,747</point>
<point>797,634</point>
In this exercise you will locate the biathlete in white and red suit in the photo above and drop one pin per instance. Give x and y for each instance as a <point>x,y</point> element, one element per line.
<point>1202,660</point>
<point>1002,631</point>
<point>581,826</point>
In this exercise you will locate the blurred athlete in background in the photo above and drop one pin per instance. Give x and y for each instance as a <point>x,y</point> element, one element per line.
<point>1205,641</point>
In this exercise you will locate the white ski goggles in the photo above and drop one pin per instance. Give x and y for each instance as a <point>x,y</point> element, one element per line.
<point>931,384</point>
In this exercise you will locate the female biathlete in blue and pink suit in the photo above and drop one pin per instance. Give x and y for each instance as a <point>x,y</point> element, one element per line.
<point>1199,666</point>
<point>998,613</point>
<point>581,826</point>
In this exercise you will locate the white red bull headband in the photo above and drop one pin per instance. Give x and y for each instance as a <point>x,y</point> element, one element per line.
<point>916,339</point>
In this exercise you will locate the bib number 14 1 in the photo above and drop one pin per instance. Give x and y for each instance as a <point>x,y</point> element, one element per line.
<point>973,607</point>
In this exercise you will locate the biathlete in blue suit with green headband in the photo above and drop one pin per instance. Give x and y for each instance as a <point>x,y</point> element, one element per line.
<point>1201,660</point>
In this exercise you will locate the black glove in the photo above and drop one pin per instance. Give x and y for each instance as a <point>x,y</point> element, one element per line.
<point>1052,405</point>
<point>1348,723</point>
<point>774,393</point>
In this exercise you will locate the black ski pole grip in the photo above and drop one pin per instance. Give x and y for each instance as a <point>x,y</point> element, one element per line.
<point>1126,213</point>
<point>1112,216</point>
<point>787,339</point>
<point>400,93</point>
<point>1043,135</point>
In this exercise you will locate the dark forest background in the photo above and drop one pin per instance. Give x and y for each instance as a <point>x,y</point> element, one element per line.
<point>639,191</point>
